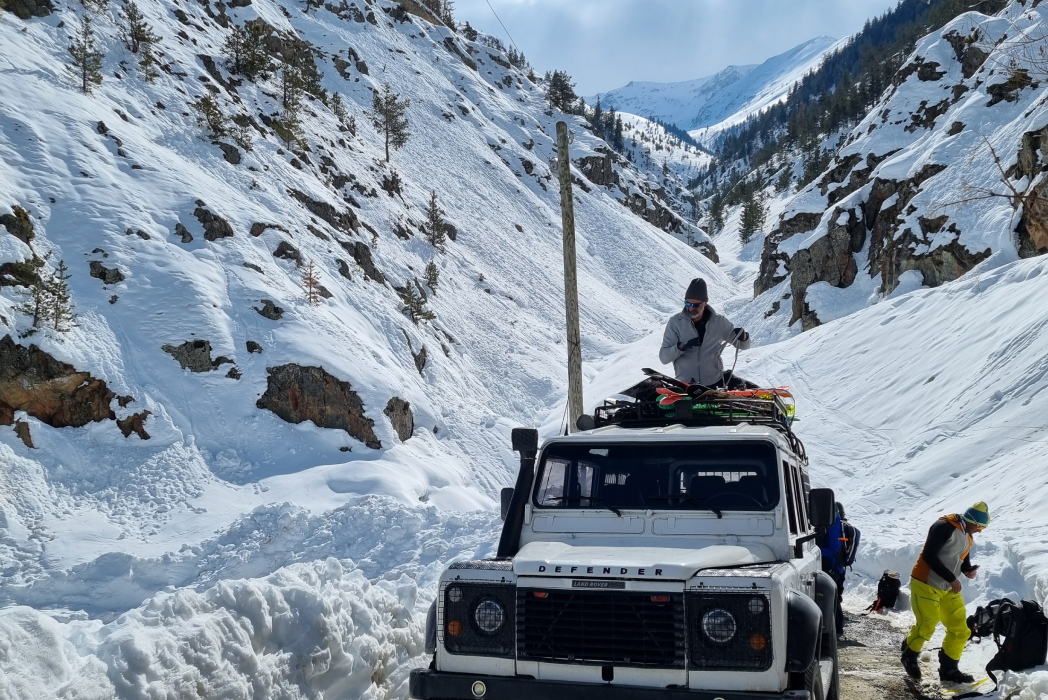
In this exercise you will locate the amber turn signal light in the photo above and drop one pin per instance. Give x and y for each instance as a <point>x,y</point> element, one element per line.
<point>454,628</point>
<point>758,642</point>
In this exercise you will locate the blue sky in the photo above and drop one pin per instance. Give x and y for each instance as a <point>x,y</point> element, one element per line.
<point>605,44</point>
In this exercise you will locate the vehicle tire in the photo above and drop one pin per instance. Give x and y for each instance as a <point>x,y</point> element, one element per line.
<point>830,654</point>
<point>811,679</point>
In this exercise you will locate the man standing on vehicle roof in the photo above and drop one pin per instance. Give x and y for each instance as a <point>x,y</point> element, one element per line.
<point>695,338</point>
<point>935,591</point>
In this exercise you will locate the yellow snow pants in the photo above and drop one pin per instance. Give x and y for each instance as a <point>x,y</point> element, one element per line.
<point>932,606</point>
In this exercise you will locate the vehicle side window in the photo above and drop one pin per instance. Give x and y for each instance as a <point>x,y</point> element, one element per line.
<point>807,492</point>
<point>551,491</point>
<point>802,499</point>
<point>791,506</point>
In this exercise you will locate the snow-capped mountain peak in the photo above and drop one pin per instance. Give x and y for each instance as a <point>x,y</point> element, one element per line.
<point>706,106</point>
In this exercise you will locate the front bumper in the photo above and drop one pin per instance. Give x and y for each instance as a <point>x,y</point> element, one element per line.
<point>427,684</point>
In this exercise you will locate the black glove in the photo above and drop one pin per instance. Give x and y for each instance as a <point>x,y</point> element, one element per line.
<point>684,347</point>
<point>740,335</point>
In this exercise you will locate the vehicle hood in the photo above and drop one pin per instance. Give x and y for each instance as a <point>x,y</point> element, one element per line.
<point>656,563</point>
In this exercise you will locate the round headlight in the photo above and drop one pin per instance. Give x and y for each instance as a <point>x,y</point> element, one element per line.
<point>454,594</point>
<point>719,625</point>
<point>489,615</point>
<point>756,606</point>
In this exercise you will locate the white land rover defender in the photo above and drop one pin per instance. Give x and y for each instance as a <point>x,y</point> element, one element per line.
<point>661,554</point>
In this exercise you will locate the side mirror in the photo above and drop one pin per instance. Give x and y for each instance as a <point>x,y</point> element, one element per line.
<point>507,496</point>
<point>822,507</point>
<point>585,422</point>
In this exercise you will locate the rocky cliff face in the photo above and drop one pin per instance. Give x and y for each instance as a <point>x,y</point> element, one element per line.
<point>946,171</point>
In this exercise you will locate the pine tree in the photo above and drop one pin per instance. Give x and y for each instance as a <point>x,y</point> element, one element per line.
<point>754,212</point>
<point>351,125</point>
<point>338,108</point>
<point>136,30</point>
<point>291,87</point>
<point>311,284</point>
<point>785,179</point>
<point>436,228</point>
<point>560,91</point>
<point>388,113</point>
<point>245,50</point>
<point>241,131</point>
<point>432,275</point>
<point>147,63</point>
<point>447,13</point>
<point>469,32</point>
<point>87,59</point>
<point>415,305</point>
<point>209,114</point>
<point>59,301</point>
<point>618,143</point>
<point>37,306</point>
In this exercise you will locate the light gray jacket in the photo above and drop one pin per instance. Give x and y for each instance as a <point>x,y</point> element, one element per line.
<point>701,364</point>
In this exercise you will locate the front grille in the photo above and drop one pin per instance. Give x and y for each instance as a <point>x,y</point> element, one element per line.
<point>729,630</point>
<point>601,627</point>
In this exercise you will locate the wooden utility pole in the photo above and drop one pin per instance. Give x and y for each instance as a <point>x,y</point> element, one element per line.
<point>571,283</point>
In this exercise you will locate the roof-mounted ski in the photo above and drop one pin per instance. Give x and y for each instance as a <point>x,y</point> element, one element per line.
<point>662,401</point>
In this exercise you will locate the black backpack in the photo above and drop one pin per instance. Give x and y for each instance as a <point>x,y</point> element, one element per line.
<point>851,544</point>
<point>1020,631</point>
<point>887,591</point>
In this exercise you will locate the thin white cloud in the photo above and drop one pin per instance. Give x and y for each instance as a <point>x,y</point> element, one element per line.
<point>604,44</point>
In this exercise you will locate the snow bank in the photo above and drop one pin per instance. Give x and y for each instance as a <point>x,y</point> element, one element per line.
<point>317,630</point>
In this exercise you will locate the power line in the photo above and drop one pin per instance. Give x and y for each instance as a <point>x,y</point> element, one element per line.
<point>503,25</point>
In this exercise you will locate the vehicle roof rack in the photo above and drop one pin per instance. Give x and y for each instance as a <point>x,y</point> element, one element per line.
<point>640,407</point>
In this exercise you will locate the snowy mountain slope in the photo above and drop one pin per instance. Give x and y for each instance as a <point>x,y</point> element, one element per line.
<point>93,521</point>
<point>914,197</point>
<point>706,106</point>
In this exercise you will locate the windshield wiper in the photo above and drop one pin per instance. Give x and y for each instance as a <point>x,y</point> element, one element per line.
<point>592,500</point>
<point>701,503</point>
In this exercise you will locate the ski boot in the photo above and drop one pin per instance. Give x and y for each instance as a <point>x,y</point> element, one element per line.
<point>911,662</point>
<point>950,673</point>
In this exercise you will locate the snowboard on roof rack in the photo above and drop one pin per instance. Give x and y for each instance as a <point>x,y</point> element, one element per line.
<point>660,400</point>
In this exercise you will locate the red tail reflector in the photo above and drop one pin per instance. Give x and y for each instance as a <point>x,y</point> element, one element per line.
<point>540,594</point>
<point>660,599</point>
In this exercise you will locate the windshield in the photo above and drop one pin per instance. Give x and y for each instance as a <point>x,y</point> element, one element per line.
<point>714,476</point>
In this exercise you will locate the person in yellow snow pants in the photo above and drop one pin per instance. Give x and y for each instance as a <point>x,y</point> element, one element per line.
<point>935,591</point>
<point>932,606</point>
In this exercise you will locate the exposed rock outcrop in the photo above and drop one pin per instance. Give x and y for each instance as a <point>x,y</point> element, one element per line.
<point>270,310</point>
<point>362,255</point>
<point>399,413</point>
<point>775,265</point>
<point>19,224</point>
<point>25,9</point>
<point>51,391</point>
<point>215,226</point>
<point>134,423</point>
<point>108,275</point>
<point>345,221</point>
<point>24,273</point>
<point>287,251</point>
<point>970,56</point>
<point>298,394</point>
<point>195,355</point>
